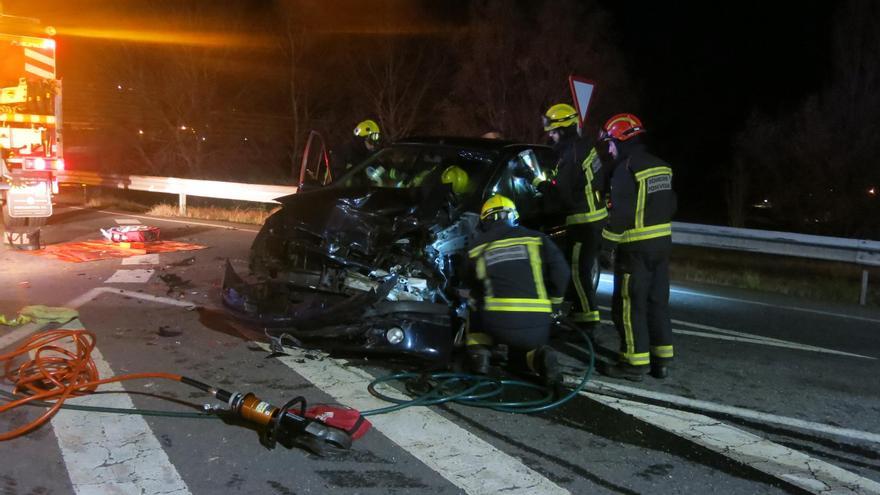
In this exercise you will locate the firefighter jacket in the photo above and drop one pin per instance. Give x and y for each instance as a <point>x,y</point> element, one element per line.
<point>642,201</point>
<point>579,184</point>
<point>516,270</point>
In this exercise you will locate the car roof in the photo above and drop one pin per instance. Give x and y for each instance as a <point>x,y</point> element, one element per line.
<point>477,144</point>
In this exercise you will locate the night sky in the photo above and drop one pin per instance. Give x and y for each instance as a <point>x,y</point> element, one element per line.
<point>700,68</point>
<point>703,67</point>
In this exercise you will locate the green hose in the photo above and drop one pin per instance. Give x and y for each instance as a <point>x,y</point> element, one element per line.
<point>472,390</point>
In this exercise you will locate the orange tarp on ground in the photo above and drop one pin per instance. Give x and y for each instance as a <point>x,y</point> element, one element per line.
<point>77,252</point>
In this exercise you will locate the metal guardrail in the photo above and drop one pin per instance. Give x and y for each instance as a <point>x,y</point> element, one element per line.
<point>864,253</point>
<point>261,193</point>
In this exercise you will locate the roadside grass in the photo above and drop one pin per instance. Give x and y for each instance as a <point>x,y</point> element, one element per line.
<point>236,214</point>
<point>799,277</point>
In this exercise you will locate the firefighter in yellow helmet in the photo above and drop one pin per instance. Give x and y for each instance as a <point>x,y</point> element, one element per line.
<point>366,140</point>
<point>517,278</point>
<point>577,190</point>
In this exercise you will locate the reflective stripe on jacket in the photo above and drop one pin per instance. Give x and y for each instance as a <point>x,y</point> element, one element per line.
<point>642,200</point>
<point>515,269</point>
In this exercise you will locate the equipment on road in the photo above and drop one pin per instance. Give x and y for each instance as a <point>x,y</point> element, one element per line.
<point>57,365</point>
<point>30,128</point>
<point>131,233</point>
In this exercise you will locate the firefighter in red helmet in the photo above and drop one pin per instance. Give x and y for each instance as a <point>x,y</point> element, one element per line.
<point>638,238</point>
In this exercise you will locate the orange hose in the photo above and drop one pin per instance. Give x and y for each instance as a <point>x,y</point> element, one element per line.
<point>56,373</point>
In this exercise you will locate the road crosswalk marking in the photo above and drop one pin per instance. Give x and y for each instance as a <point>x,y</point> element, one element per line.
<point>113,453</point>
<point>458,455</point>
<point>808,473</point>
<point>136,276</point>
<point>141,259</point>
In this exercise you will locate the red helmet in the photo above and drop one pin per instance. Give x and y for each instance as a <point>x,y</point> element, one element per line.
<point>622,127</point>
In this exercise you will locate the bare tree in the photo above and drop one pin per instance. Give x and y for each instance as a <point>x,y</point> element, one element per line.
<point>516,67</point>
<point>818,163</point>
<point>394,78</point>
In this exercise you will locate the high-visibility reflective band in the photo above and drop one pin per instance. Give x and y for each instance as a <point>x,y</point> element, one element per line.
<point>640,206</point>
<point>611,236</point>
<point>537,181</point>
<point>585,317</point>
<point>557,300</point>
<point>537,270</point>
<point>661,351</point>
<point>481,275</point>
<point>30,119</point>
<point>514,241</point>
<point>627,318</point>
<point>653,172</point>
<point>579,218</point>
<point>645,233</point>
<point>576,276</point>
<point>478,338</point>
<point>518,305</point>
<point>640,359</point>
<point>587,167</point>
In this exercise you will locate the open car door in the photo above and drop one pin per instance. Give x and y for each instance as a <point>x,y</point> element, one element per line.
<point>314,168</point>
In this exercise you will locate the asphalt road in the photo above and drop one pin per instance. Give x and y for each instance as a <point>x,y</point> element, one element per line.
<point>768,395</point>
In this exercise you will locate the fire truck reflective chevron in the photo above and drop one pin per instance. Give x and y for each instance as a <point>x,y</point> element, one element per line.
<point>40,62</point>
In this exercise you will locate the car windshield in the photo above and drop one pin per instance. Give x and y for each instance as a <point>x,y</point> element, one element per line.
<point>403,166</point>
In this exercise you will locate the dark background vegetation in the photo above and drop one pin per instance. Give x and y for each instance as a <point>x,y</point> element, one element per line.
<point>775,104</point>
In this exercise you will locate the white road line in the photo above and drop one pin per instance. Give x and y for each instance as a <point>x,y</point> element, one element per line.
<point>461,457</point>
<point>607,279</point>
<point>136,276</point>
<point>811,474</point>
<point>186,222</point>
<point>142,259</point>
<point>113,453</point>
<point>77,302</point>
<point>750,338</point>
<point>740,412</point>
<point>127,221</point>
<point>770,343</point>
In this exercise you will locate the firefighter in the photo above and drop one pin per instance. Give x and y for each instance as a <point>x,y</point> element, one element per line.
<point>638,237</point>
<point>366,140</point>
<point>577,189</point>
<point>518,277</point>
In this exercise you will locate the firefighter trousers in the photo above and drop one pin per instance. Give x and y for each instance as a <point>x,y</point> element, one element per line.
<point>640,306</point>
<point>584,242</point>
<point>523,333</point>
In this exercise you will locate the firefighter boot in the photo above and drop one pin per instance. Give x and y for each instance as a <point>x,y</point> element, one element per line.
<point>622,370</point>
<point>659,369</point>
<point>547,366</point>
<point>478,358</point>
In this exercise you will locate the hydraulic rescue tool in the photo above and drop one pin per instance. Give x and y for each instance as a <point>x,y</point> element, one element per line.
<point>54,365</point>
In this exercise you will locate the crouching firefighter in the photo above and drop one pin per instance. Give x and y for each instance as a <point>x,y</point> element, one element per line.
<point>640,228</point>
<point>517,278</point>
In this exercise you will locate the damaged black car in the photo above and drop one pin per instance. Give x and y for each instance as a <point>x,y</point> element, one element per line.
<point>374,261</point>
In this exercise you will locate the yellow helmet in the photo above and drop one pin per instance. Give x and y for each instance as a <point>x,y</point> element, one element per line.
<point>457,177</point>
<point>368,129</point>
<point>560,115</point>
<point>499,207</point>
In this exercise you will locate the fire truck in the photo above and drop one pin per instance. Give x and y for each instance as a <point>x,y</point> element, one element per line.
<point>30,123</point>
